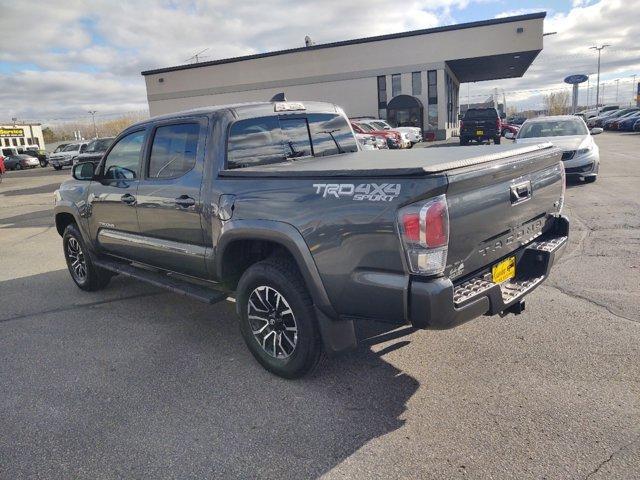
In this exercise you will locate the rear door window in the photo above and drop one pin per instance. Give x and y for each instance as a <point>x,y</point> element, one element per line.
<point>481,114</point>
<point>174,149</point>
<point>330,134</point>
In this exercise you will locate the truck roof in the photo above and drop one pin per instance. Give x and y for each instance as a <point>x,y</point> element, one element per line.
<point>247,110</point>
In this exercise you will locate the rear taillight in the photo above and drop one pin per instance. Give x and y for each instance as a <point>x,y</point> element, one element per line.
<point>424,232</point>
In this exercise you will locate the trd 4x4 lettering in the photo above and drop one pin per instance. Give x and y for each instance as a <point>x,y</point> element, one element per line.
<point>372,192</point>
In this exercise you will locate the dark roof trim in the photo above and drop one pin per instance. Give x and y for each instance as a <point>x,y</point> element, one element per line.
<point>446,28</point>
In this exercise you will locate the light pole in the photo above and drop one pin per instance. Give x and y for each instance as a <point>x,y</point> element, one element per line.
<point>93,116</point>
<point>633,90</point>
<point>599,49</point>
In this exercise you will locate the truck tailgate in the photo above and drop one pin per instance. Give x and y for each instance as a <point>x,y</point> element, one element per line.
<point>496,208</point>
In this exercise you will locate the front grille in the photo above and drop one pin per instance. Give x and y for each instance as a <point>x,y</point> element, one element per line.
<point>582,169</point>
<point>568,155</point>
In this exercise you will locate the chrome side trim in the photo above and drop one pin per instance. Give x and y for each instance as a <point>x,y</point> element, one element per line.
<point>152,243</point>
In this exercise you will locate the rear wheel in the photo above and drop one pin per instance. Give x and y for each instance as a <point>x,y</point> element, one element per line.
<point>277,319</point>
<point>496,140</point>
<point>17,167</point>
<point>83,272</point>
<point>57,167</point>
<point>464,141</point>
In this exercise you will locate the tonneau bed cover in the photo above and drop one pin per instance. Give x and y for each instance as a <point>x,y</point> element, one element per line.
<point>415,162</point>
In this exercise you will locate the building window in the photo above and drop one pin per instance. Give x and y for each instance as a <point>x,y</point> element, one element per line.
<point>396,85</point>
<point>21,140</point>
<point>15,142</point>
<point>432,97</point>
<point>382,92</point>
<point>36,141</point>
<point>7,142</point>
<point>416,83</point>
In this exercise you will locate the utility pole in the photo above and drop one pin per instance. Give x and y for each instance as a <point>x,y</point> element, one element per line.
<point>633,91</point>
<point>617,85</point>
<point>599,49</point>
<point>95,129</point>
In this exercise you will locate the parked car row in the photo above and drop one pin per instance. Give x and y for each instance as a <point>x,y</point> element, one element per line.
<point>71,153</point>
<point>606,119</point>
<point>391,137</point>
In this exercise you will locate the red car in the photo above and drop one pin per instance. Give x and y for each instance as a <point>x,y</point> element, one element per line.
<point>2,169</point>
<point>392,138</point>
<point>507,127</point>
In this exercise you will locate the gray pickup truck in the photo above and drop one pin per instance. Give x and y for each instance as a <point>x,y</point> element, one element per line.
<point>273,204</point>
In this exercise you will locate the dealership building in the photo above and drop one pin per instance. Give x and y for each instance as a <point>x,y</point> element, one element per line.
<point>21,135</point>
<point>409,78</point>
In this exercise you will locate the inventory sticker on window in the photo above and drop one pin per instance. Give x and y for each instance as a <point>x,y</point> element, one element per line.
<point>372,192</point>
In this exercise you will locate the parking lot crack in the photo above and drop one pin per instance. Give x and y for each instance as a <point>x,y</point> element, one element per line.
<point>610,457</point>
<point>594,302</point>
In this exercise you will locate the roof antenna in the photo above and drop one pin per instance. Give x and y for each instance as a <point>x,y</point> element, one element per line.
<point>278,97</point>
<point>197,56</point>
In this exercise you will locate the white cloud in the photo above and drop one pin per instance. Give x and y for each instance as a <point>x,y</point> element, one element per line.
<point>83,55</point>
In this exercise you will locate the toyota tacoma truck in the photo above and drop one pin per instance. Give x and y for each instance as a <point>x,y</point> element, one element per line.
<point>273,204</point>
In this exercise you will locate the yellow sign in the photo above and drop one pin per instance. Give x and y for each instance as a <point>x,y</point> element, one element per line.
<point>504,270</point>
<point>11,132</point>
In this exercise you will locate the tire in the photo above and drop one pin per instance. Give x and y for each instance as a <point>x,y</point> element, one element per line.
<point>496,140</point>
<point>464,141</point>
<point>296,352</point>
<point>84,273</point>
<point>57,167</point>
<point>590,179</point>
<point>17,167</point>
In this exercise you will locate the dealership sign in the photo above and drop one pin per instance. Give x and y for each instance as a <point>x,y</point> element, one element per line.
<point>575,79</point>
<point>11,132</point>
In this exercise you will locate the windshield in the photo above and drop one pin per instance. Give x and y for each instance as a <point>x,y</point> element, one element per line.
<point>99,145</point>
<point>552,128</point>
<point>70,148</point>
<point>381,125</point>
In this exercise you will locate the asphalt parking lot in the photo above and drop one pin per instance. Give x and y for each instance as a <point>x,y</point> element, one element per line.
<point>137,382</point>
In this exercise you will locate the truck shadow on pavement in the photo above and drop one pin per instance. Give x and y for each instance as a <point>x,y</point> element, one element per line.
<point>133,381</point>
<point>40,218</point>
<point>50,188</point>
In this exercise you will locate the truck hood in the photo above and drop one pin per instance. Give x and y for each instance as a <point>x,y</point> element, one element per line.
<point>568,142</point>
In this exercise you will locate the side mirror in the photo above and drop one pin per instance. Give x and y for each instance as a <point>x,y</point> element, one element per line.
<point>596,131</point>
<point>509,135</point>
<point>83,171</point>
<point>460,116</point>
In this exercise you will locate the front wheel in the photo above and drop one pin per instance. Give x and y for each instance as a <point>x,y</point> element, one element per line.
<point>57,167</point>
<point>277,319</point>
<point>83,272</point>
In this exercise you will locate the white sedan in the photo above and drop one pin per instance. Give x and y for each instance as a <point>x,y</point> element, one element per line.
<point>580,153</point>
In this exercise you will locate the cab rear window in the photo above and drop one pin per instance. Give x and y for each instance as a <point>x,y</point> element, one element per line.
<point>267,140</point>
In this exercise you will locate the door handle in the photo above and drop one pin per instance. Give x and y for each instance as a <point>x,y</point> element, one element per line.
<point>128,199</point>
<point>184,201</point>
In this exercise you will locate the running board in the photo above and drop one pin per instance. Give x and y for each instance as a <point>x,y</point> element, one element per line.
<point>162,280</point>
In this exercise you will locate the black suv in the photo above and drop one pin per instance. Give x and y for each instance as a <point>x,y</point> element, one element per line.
<point>480,124</point>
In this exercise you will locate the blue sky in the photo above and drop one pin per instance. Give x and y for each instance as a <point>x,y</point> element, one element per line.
<point>88,55</point>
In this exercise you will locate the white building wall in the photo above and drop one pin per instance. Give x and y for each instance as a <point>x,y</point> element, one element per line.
<point>30,132</point>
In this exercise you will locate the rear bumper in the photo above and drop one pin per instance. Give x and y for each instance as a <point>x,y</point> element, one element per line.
<point>439,304</point>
